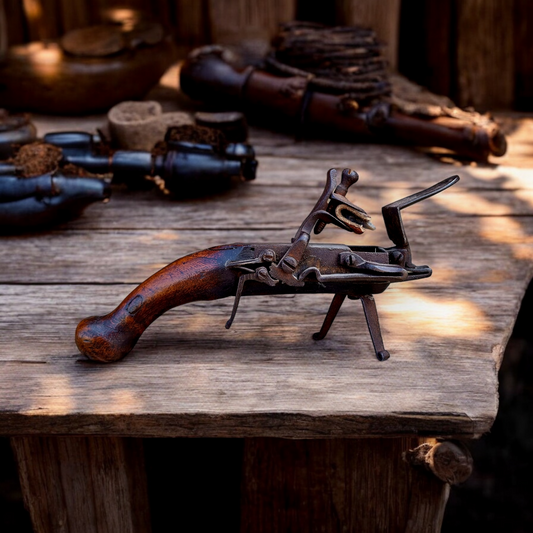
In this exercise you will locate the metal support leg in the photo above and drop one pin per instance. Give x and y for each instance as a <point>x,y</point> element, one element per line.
<point>372,319</point>
<point>334,307</point>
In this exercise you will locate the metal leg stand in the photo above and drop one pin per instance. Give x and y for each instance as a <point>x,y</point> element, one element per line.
<point>334,307</point>
<point>372,319</point>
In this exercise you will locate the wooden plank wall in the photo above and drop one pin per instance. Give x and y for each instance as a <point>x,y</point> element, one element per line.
<point>476,51</point>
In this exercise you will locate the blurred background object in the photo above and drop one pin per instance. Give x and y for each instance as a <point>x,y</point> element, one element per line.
<point>332,82</point>
<point>383,17</point>
<point>477,52</point>
<point>86,69</point>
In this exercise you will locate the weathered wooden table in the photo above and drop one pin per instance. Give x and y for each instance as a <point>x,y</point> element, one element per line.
<point>324,424</point>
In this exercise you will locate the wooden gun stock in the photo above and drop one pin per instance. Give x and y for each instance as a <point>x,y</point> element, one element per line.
<point>199,276</point>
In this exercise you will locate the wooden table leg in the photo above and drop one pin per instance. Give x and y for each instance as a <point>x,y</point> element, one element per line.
<point>359,485</point>
<point>83,484</point>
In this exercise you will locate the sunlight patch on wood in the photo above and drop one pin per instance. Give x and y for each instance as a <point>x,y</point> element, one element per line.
<point>55,397</point>
<point>443,317</point>
<point>512,177</point>
<point>510,232</point>
<point>469,205</point>
<point>122,400</point>
<point>443,275</point>
<point>164,235</point>
<point>526,196</point>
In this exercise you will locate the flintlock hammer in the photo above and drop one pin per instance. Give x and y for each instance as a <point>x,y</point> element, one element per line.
<point>356,272</point>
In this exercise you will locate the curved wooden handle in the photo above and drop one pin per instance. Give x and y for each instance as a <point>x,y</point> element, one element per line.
<point>199,276</point>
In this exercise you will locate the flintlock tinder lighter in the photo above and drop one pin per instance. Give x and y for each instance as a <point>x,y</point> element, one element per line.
<point>40,201</point>
<point>184,165</point>
<point>262,269</point>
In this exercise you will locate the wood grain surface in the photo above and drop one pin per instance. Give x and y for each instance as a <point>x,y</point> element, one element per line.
<point>358,485</point>
<point>83,484</point>
<point>486,73</point>
<point>382,17</point>
<point>188,376</point>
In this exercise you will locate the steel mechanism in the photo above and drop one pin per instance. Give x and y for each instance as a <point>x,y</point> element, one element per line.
<point>356,272</point>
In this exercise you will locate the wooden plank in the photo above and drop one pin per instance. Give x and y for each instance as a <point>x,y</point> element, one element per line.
<point>284,161</point>
<point>247,206</point>
<point>523,41</point>
<point>299,485</point>
<point>15,14</point>
<point>266,377</point>
<point>383,17</point>
<point>73,15</point>
<point>190,377</point>
<point>130,256</point>
<point>82,485</point>
<point>248,25</point>
<point>191,24</point>
<point>399,164</point>
<point>485,54</point>
<point>3,31</point>
<point>427,43</point>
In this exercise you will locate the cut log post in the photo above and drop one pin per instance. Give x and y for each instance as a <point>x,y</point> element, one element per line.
<point>360,485</point>
<point>83,484</point>
<point>450,461</point>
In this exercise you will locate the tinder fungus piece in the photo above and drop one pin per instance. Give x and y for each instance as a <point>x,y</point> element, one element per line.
<point>37,158</point>
<point>140,125</point>
<point>197,135</point>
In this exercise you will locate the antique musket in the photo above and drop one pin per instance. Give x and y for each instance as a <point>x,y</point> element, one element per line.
<point>356,272</point>
<point>291,101</point>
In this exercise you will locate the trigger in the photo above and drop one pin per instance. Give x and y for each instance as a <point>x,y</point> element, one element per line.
<point>238,294</point>
<point>261,275</point>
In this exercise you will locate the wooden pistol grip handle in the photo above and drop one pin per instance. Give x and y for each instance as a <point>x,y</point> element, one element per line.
<point>199,276</point>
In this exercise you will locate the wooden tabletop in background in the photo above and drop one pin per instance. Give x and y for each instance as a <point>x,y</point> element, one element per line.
<point>188,376</point>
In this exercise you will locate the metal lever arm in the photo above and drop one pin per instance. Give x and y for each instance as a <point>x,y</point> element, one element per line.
<point>393,218</point>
